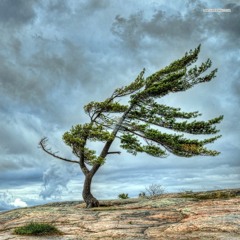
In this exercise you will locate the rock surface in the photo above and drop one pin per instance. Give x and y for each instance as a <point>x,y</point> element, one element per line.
<point>171,216</point>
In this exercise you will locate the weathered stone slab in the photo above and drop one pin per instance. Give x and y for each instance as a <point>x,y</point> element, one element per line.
<point>171,216</point>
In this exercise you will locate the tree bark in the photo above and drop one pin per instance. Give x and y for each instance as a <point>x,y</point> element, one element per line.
<point>88,198</point>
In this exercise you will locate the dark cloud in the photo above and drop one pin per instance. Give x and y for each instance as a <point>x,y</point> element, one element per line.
<point>236,87</point>
<point>20,177</point>
<point>189,26</point>
<point>16,12</point>
<point>46,82</point>
<point>229,22</point>
<point>75,52</point>
<point>57,6</point>
<point>95,5</point>
<point>136,30</point>
<point>18,85</point>
<point>19,133</point>
<point>129,30</point>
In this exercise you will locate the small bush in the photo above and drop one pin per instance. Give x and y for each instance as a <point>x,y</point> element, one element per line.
<point>123,196</point>
<point>142,194</point>
<point>37,229</point>
<point>155,190</point>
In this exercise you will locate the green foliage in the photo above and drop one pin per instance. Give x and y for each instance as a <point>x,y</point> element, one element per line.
<point>164,116</point>
<point>174,143</point>
<point>132,144</point>
<point>149,109</point>
<point>106,106</point>
<point>123,196</point>
<point>37,229</point>
<point>77,137</point>
<point>139,123</point>
<point>91,157</point>
<point>132,87</point>
<point>175,77</point>
<point>80,133</point>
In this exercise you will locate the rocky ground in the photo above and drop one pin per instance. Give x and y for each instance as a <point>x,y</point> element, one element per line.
<point>209,215</point>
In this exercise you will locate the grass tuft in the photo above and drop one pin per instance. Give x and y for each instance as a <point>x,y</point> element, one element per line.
<point>37,229</point>
<point>123,196</point>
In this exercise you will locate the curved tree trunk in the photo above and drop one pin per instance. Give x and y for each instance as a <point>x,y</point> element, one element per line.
<point>88,198</point>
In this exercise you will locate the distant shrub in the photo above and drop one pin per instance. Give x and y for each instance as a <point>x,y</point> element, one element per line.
<point>38,229</point>
<point>142,194</point>
<point>123,196</point>
<point>155,190</point>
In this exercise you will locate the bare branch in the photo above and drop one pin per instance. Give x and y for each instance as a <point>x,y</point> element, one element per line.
<point>43,144</point>
<point>116,152</point>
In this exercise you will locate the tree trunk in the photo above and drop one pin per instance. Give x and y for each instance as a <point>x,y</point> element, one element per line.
<point>88,198</point>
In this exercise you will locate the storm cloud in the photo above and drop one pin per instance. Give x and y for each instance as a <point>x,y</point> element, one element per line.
<point>16,13</point>
<point>57,56</point>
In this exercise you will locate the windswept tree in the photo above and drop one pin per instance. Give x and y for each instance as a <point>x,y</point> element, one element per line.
<point>139,123</point>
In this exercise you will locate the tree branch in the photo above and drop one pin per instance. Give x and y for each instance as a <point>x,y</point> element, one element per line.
<point>109,142</point>
<point>116,152</point>
<point>82,164</point>
<point>147,138</point>
<point>42,144</point>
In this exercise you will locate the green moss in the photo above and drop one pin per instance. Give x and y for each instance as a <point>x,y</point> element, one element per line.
<point>38,229</point>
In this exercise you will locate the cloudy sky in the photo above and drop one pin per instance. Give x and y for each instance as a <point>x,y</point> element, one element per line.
<point>57,55</point>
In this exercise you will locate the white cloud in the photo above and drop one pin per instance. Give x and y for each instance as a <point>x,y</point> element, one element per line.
<point>18,203</point>
<point>7,201</point>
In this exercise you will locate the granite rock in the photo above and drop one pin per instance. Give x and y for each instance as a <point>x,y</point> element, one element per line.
<point>170,216</point>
